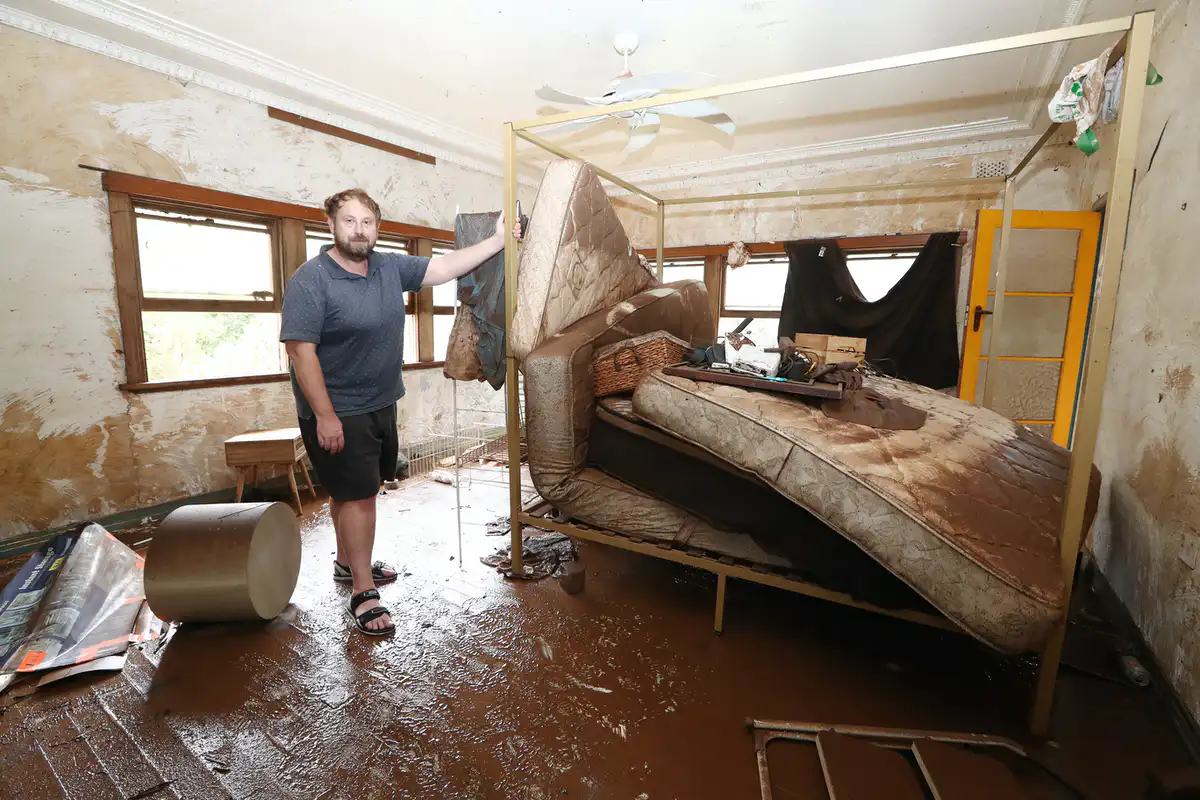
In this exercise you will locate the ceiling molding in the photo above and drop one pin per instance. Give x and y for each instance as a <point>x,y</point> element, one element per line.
<point>759,164</point>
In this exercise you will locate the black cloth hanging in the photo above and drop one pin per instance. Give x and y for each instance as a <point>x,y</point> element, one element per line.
<point>911,331</point>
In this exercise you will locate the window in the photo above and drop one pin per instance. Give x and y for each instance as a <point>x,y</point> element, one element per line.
<point>210,295</point>
<point>757,285</point>
<point>444,301</point>
<point>876,272</point>
<point>200,277</point>
<point>756,288</point>
<point>681,269</point>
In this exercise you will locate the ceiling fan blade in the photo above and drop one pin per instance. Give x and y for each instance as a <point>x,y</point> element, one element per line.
<point>642,131</point>
<point>555,96</point>
<point>702,110</point>
<point>665,81</point>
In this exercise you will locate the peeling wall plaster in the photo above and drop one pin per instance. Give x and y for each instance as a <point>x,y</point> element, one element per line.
<point>1147,533</point>
<point>71,444</point>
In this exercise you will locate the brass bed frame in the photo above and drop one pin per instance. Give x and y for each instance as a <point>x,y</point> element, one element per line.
<point>1136,33</point>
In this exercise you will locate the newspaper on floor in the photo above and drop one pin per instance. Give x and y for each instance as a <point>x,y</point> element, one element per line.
<point>78,599</point>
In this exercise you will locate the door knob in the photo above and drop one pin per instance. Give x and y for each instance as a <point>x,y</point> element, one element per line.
<point>979,314</point>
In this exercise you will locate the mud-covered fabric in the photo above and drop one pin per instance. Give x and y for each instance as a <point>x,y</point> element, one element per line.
<point>559,406</point>
<point>481,292</point>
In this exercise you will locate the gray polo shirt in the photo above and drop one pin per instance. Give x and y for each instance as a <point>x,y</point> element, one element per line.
<point>357,324</point>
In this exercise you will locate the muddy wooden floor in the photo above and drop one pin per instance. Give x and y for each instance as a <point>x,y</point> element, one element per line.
<point>518,690</point>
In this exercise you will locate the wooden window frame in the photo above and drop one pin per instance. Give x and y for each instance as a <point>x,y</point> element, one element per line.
<point>288,224</point>
<point>274,231</point>
<point>426,310</point>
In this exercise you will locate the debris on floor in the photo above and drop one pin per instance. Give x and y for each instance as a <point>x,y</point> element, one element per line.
<point>865,762</point>
<point>500,526</point>
<point>545,554</point>
<point>501,456</point>
<point>78,600</point>
<point>442,476</point>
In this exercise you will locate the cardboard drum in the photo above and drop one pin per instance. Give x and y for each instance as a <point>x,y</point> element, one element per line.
<point>225,561</point>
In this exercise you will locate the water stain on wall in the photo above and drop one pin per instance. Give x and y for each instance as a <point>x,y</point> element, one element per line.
<point>1166,484</point>
<point>1178,381</point>
<point>49,132</point>
<point>50,480</point>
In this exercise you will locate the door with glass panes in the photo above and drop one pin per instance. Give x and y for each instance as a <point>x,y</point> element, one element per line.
<point>1038,353</point>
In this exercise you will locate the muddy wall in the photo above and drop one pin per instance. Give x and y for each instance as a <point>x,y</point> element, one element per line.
<point>1147,536</point>
<point>72,445</point>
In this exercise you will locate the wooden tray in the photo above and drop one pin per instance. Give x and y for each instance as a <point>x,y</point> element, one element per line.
<point>828,391</point>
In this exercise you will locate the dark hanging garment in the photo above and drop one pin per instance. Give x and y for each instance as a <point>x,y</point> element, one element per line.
<point>481,292</point>
<point>911,331</point>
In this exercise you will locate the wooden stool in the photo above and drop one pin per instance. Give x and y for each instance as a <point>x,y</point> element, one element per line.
<point>282,447</point>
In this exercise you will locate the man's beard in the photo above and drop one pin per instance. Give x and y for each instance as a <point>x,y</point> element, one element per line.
<point>356,249</point>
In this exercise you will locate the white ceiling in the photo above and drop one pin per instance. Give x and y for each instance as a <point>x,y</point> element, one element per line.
<point>443,76</point>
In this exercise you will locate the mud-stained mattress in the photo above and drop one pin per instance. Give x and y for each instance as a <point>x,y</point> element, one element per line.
<point>966,510</point>
<point>576,259</point>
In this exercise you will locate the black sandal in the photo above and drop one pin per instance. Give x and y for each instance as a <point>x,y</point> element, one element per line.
<point>361,620</point>
<point>380,573</point>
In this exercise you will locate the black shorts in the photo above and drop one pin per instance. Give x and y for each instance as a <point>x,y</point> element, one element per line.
<point>366,460</point>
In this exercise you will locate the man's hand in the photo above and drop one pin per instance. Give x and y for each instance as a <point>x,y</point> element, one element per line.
<point>329,434</point>
<point>517,232</point>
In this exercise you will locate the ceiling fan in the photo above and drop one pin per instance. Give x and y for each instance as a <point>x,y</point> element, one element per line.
<point>644,123</point>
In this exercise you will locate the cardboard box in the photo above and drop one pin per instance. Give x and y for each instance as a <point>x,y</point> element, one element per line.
<point>828,349</point>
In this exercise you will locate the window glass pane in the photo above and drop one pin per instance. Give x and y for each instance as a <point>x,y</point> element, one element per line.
<point>314,241</point>
<point>877,273</point>
<point>443,294</point>
<point>757,285</point>
<point>410,339</point>
<point>764,332</point>
<point>192,345</point>
<point>683,269</point>
<point>194,256</point>
<point>442,323</point>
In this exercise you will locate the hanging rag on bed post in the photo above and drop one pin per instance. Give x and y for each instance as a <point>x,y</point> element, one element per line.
<point>477,341</point>
<point>910,331</point>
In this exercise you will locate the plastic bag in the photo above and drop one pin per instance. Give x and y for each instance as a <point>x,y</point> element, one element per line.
<point>1112,92</point>
<point>1078,97</point>
<point>1089,98</point>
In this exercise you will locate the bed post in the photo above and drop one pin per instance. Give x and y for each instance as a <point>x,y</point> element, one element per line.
<point>1087,424</point>
<point>989,381</point>
<point>662,217</point>
<point>512,415</point>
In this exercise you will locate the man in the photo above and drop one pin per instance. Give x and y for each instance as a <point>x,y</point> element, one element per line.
<point>343,326</point>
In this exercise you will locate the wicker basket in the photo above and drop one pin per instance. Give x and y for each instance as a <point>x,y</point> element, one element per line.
<point>619,367</point>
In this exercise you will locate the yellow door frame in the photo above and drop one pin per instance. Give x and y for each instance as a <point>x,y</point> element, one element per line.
<point>1088,225</point>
